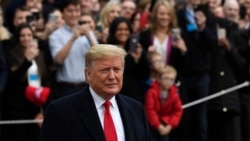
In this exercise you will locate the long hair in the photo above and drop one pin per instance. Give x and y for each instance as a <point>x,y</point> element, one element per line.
<point>113,28</point>
<point>18,30</point>
<point>153,16</point>
<point>105,11</point>
<point>18,54</point>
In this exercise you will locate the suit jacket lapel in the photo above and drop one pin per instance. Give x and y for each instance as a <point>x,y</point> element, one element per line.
<point>126,119</point>
<point>89,116</point>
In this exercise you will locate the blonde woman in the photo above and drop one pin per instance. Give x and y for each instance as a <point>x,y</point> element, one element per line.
<point>158,37</point>
<point>4,33</point>
<point>109,12</point>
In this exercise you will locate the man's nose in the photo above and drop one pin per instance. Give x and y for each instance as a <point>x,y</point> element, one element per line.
<point>111,74</point>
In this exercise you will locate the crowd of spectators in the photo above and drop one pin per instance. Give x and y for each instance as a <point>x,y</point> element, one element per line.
<point>177,51</point>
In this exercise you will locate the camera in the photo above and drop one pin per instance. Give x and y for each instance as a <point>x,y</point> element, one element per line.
<point>82,22</point>
<point>30,18</point>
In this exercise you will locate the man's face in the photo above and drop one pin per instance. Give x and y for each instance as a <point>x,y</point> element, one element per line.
<point>20,17</point>
<point>231,12</point>
<point>86,5</point>
<point>212,5</point>
<point>105,76</point>
<point>34,4</point>
<point>128,9</point>
<point>247,5</point>
<point>71,14</point>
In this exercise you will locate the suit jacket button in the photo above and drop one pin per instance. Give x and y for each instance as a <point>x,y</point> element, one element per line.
<point>222,73</point>
<point>224,109</point>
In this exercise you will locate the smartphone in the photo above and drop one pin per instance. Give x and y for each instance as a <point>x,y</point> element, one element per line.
<point>52,17</point>
<point>133,42</point>
<point>82,22</point>
<point>30,18</point>
<point>176,32</point>
<point>99,28</point>
<point>36,15</point>
<point>34,43</point>
<point>221,33</point>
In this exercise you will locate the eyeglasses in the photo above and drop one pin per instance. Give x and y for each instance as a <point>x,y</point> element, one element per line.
<point>168,79</point>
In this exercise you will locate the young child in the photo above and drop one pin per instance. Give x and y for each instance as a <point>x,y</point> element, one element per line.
<point>163,105</point>
<point>156,64</point>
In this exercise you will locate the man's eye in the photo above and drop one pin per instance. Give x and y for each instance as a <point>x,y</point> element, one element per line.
<point>104,70</point>
<point>117,70</point>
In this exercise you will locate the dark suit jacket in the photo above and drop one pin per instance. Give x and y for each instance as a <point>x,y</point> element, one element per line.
<point>75,118</point>
<point>199,43</point>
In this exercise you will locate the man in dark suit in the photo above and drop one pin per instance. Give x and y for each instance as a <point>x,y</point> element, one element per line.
<point>82,116</point>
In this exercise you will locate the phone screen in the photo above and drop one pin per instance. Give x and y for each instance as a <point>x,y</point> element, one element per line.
<point>52,18</point>
<point>221,33</point>
<point>176,33</point>
<point>133,42</point>
<point>99,28</point>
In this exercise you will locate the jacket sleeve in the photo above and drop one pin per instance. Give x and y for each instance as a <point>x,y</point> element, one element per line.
<point>176,113</point>
<point>150,108</point>
<point>21,71</point>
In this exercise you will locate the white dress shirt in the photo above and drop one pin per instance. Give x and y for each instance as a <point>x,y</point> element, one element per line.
<point>115,113</point>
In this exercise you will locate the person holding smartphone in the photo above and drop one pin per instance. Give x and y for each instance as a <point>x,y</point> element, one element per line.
<point>68,45</point>
<point>20,59</point>
<point>53,22</point>
<point>136,62</point>
<point>159,36</point>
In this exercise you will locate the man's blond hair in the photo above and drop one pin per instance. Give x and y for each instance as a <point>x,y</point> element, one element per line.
<point>101,51</point>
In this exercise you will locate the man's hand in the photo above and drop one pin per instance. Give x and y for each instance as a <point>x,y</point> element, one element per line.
<point>137,53</point>
<point>76,32</point>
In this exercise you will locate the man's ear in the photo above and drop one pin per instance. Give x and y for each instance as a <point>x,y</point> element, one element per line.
<point>87,74</point>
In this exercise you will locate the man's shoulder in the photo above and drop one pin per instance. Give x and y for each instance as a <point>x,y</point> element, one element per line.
<point>129,102</point>
<point>58,32</point>
<point>67,101</point>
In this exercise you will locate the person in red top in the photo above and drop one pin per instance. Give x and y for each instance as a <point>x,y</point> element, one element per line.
<point>163,105</point>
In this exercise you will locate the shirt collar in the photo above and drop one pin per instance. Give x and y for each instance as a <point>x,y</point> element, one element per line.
<point>99,100</point>
<point>67,27</point>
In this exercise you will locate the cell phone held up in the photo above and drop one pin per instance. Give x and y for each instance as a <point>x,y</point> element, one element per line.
<point>82,22</point>
<point>133,42</point>
<point>52,18</point>
<point>176,33</point>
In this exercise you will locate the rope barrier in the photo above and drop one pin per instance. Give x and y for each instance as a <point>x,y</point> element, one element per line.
<point>188,105</point>
<point>215,95</point>
<point>4,122</point>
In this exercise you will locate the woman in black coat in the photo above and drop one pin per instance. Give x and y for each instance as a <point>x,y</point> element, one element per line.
<point>16,106</point>
<point>224,111</point>
<point>136,62</point>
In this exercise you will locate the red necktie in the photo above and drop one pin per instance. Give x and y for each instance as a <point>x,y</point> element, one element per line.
<point>109,128</point>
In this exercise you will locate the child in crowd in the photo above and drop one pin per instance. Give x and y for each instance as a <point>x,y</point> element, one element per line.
<point>163,105</point>
<point>156,64</point>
